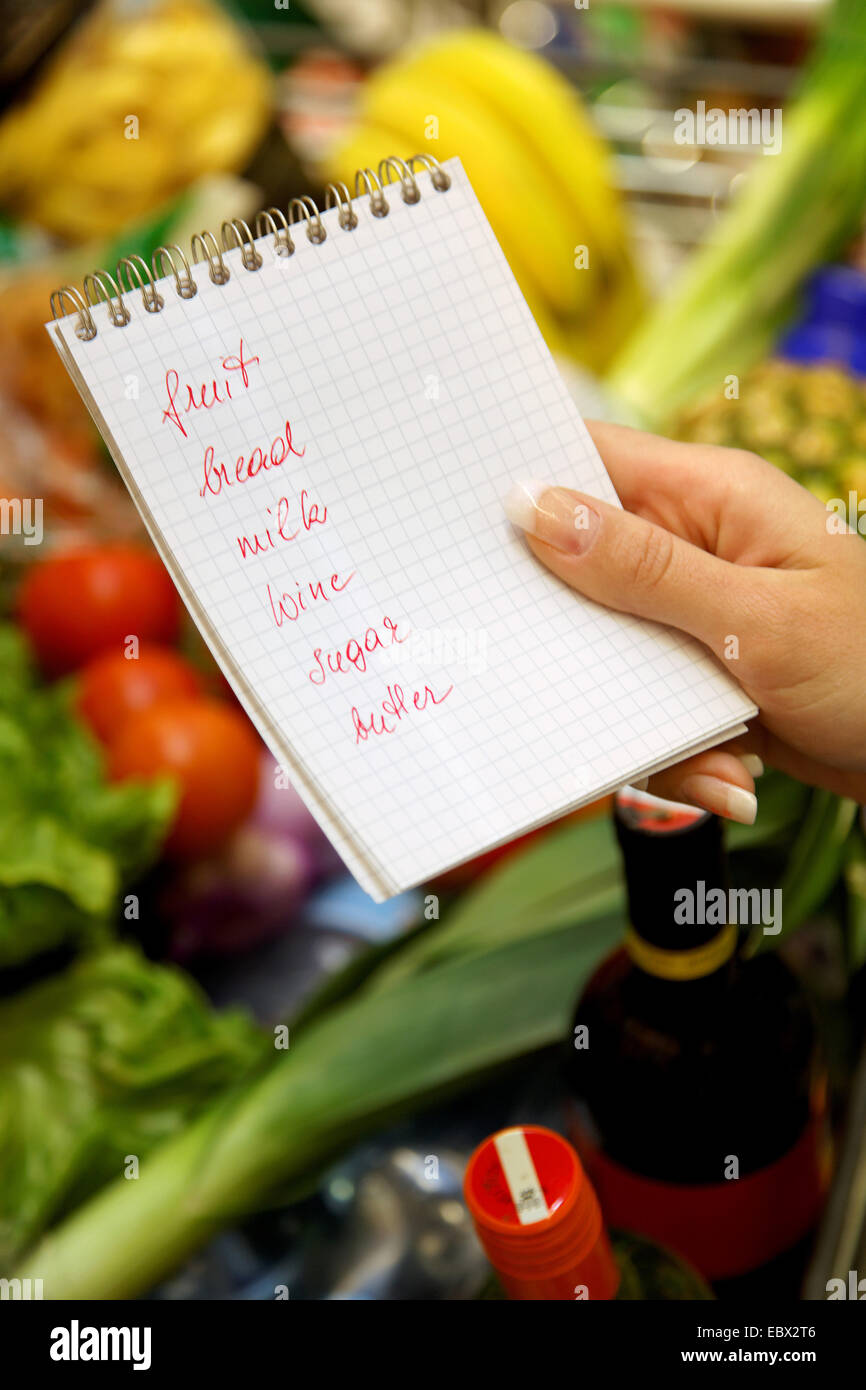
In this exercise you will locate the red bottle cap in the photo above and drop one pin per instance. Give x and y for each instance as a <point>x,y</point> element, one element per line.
<point>538,1218</point>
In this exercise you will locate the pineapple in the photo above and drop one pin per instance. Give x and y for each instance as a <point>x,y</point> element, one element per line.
<point>808,421</point>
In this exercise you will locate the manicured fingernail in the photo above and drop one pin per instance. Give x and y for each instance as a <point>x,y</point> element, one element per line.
<point>556,516</point>
<point>521,503</point>
<point>722,798</point>
<point>752,763</point>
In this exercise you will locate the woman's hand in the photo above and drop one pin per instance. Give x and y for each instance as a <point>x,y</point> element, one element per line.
<point>721,544</point>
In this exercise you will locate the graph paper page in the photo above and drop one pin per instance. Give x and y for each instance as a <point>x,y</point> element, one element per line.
<point>320,450</point>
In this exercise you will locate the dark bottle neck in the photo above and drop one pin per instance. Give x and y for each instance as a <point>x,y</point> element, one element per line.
<point>677,881</point>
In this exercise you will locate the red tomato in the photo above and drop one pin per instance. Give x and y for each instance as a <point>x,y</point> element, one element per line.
<point>115,686</point>
<point>79,603</point>
<point>212,753</point>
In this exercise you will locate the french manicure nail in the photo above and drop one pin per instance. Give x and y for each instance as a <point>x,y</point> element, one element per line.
<point>722,798</point>
<point>752,763</point>
<point>521,503</point>
<point>553,514</point>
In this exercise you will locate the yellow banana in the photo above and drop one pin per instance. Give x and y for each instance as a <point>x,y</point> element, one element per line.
<point>363,148</point>
<point>536,234</point>
<point>549,119</point>
<point>63,150</point>
<point>530,96</point>
<point>595,339</point>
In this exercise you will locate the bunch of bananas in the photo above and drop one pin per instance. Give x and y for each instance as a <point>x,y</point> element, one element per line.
<point>540,171</point>
<point>809,421</point>
<point>131,110</point>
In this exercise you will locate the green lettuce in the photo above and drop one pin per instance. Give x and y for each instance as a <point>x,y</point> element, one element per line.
<point>100,1064</point>
<point>68,839</point>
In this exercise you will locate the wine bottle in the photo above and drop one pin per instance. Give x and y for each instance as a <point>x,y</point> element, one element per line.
<point>696,1098</point>
<point>539,1221</point>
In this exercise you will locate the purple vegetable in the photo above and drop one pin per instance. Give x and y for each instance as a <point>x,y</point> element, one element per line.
<point>250,892</point>
<point>279,808</point>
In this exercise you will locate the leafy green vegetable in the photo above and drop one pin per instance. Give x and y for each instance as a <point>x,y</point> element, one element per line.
<point>570,876</point>
<point>815,863</point>
<point>67,838</point>
<point>100,1063</point>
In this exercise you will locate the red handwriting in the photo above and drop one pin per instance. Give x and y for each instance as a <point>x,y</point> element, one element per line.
<point>204,397</point>
<point>355,653</point>
<point>289,607</point>
<point>278,530</point>
<point>217,475</point>
<point>284,525</point>
<point>394,709</point>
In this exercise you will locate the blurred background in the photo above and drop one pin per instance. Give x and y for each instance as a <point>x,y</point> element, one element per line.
<point>703,276</point>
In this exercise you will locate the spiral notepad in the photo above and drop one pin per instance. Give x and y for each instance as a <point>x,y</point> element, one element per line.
<point>318,419</point>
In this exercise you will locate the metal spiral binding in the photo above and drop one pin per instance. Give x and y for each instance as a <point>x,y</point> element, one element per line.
<point>102,287</point>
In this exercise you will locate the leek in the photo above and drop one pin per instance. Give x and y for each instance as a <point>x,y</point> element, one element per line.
<point>796,209</point>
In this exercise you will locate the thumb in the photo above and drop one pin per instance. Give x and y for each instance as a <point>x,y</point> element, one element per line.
<point>626,562</point>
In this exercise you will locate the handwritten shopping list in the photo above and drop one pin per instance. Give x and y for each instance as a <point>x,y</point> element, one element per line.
<point>319,450</point>
<point>283,522</point>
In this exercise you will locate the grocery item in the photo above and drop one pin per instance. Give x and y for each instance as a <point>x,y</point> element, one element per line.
<point>69,841</point>
<point>402,1024</point>
<point>808,420</point>
<point>130,109</point>
<point>697,1094</point>
<point>89,599</point>
<point>541,172</point>
<point>120,683</point>
<point>795,210</point>
<point>210,749</point>
<point>100,1063</point>
<point>539,1221</point>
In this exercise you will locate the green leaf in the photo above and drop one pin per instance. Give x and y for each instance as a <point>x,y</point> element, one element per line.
<point>568,876</point>
<point>16,664</point>
<point>68,839</point>
<point>782,804</point>
<point>814,863</point>
<point>855,883</point>
<point>43,851</point>
<point>129,821</point>
<point>103,1061</point>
